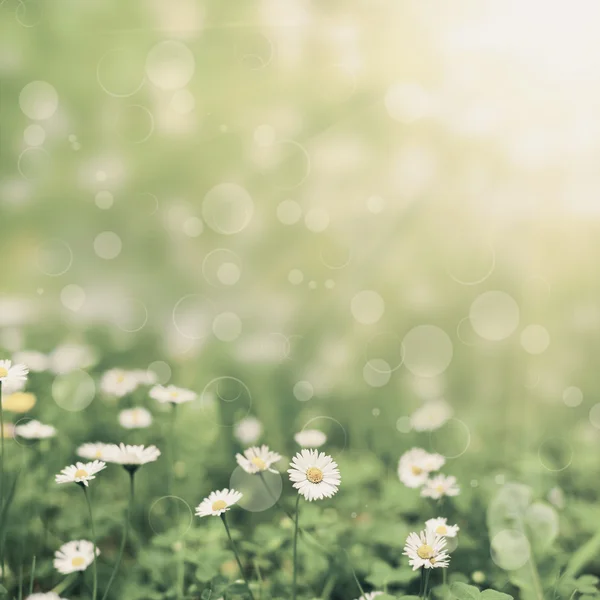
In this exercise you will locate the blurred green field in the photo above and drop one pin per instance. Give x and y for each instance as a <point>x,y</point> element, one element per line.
<point>325,216</point>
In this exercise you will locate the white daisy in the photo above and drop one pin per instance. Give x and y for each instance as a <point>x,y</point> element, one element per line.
<point>12,377</point>
<point>248,430</point>
<point>217,503</point>
<point>34,430</point>
<point>35,361</point>
<point>314,474</point>
<point>441,527</point>
<point>431,416</point>
<point>426,549</point>
<point>46,596</point>
<point>126,455</point>
<point>440,485</point>
<point>74,556</point>
<point>70,357</point>
<point>135,418</point>
<point>118,382</point>
<point>81,473</point>
<point>416,464</point>
<point>310,438</point>
<point>172,394</point>
<point>256,459</point>
<point>95,451</point>
<point>370,595</point>
<point>144,377</point>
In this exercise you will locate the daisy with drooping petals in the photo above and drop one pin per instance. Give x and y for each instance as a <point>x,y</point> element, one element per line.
<point>439,486</point>
<point>310,438</point>
<point>257,459</point>
<point>441,527</point>
<point>81,473</point>
<point>132,456</point>
<point>95,451</point>
<point>431,416</point>
<point>426,549</point>
<point>135,418</point>
<point>218,503</point>
<point>416,464</point>
<point>172,394</point>
<point>248,430</point>
<point>46,596</point>
<point>370,595</point>
<point>18,402</point>
<point>34,430</point>
<point>12,377</point>
<point>314,474</point>
<point>74,556</point>
<point>118,382</point>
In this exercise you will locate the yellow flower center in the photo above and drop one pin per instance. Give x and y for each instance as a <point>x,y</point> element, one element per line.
<point>98,453</point>
<point>259,462</point>
<point>425,552</point>
<point>81,473</point>
<point>219,505</point>
<point>173,394</point>
<point>3,372</point>
<point>120,378</point>
<point>314,475</point>
<point>78,561</point>
<point>440,489</point>
<point>416,470</point>
<point>442,530</point>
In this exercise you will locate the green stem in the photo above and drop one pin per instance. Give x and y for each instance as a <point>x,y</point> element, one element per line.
<point>65,583</point>
<point>172,453</point>
<point>31,579</point>
<point>426,587</point>
<point>237,557</point>
<point>296,548</point>
<point>274,498</point>
<point>583,556</point>
<point>125,534</point>
<point>94,564</point>
<point>1,482</point>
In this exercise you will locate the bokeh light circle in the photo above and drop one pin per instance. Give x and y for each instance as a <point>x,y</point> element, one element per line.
<point>34,135</point>
<point>227,208</point>
<point>452,439</point>
<point>428,350</point>
<point>317,219</point>
<point>572,396</point>
<point>107,245</point>
<point>222,267</point>
<point>510,549</point>
<point>494,315</point>
<point>104,199</point>
<point>535,339</point>
<point>377,372</point>
<point>170,65</point>
<point>133,317</point>
<point>295,276</point>
<point>594,415</point>
<point>72,297</point>
<point>386,346</point>
<point>233,394</point>
<point>38,100</point>
<point>192,316</point>
<point>159,370</point>
<point>289,212</point>
<point>115,73</point>
<point>367,307</point>
<point>260,492</point>
<point>555,454</point>
<point>73,391</point>
<point>227,326</point>
<point>303,391</point>
<point>54,257</point>
<point>170,514</point>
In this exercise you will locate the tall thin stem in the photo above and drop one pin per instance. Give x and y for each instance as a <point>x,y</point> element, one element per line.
<point>237,557</point>
<point>172,452</point>
<point>2,484</point>
<point>125,534</point>
<point>32,576</point>
<point>426,588</point>
<point>295,579</point>
<point>94,564</point>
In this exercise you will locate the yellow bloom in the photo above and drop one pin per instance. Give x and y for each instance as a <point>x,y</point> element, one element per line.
<point>19,402</point>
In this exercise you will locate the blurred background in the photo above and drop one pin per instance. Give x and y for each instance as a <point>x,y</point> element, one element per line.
<point>313,212</point>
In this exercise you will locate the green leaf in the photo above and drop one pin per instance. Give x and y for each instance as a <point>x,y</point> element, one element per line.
<point>462,591</point>
<point>3,591</point>
<point>494,595</point>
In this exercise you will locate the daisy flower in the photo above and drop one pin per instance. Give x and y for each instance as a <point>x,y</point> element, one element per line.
<point>74,556</point>
<point>36,361</point>
<point>34,430</point>
<point>130,456</point>
<point>172,394</point>
<point>81,473</point>
<point>144,377</point>
<point>135,418</point>
<point>370,595</point>
<point>441,527</point>
<point>18,402</point>
<point>440,485</point>
<point>257,459</point>
<point>416,464</point>
<point>218,503</point>
<point>431,416</point>
<point>426,549</point>
<point>310,438</point>
<point>248,430</point>
<point>118,382</point>
<point>94,451</point>
<point>12,377</point>
<point>70,357</point>
<point>315,475</point>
